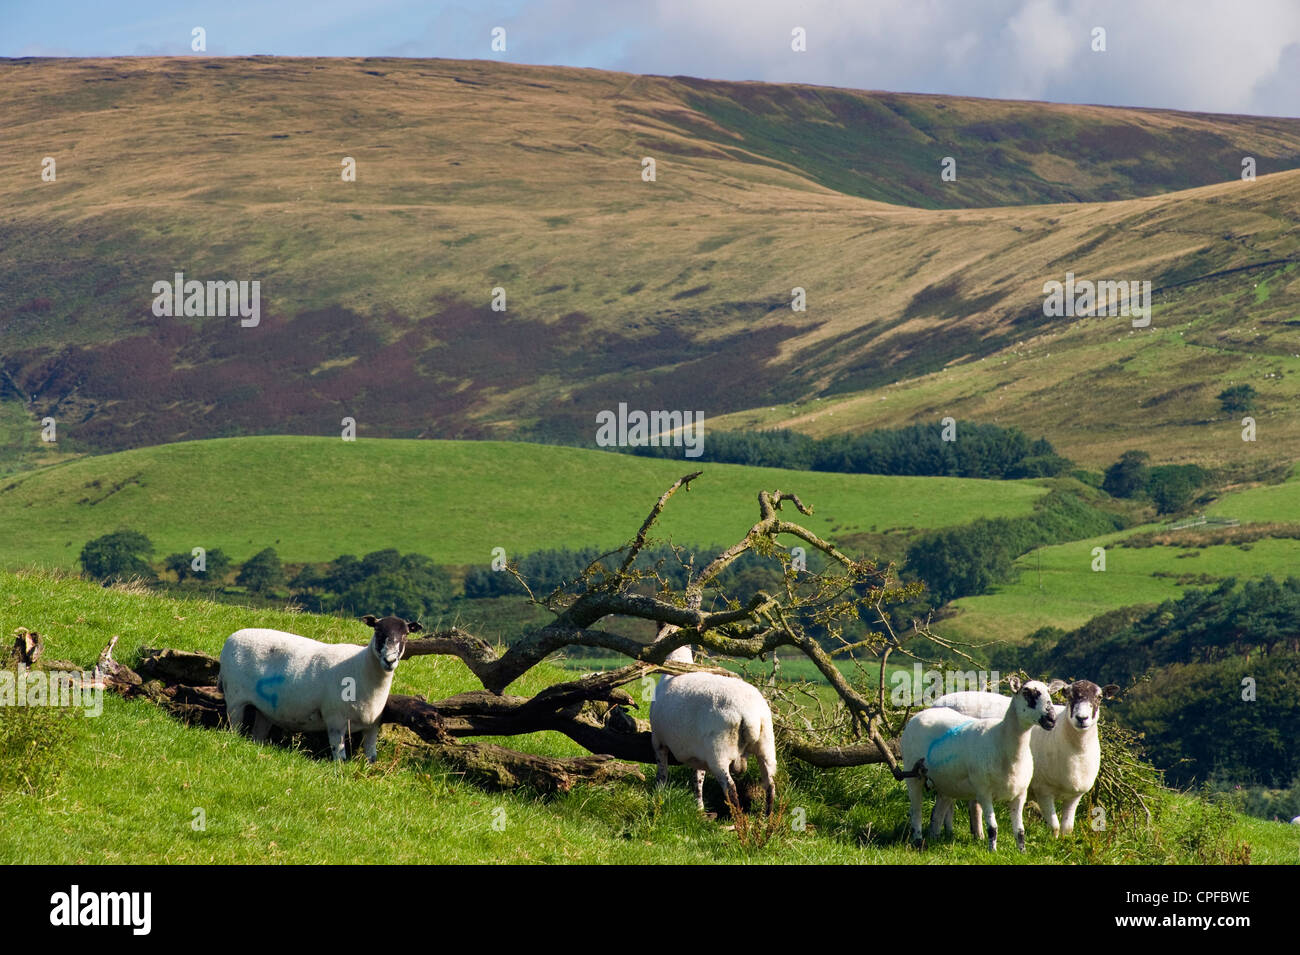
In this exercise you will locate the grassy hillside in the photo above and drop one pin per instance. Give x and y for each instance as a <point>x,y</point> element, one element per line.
<point>1070,593</point>
<point>315,498</point>
<point>1147,389</point>
<point>673,294</point>
<point>1271,502</point>
<point>1057,586</point>
<point>131,780</point>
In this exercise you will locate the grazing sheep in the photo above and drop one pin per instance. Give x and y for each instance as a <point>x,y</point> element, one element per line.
<point>1066,759</point>
<point>971,758</point>
<point>712,722</point>
<point>303,685</point>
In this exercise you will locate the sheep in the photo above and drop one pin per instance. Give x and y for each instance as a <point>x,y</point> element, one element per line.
<point>304,685</point>
<point>1066,760</point>
<point>712,722</point>
<point>970,758</point>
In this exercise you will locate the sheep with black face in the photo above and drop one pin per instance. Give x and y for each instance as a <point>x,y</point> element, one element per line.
<point>981,759</point>
<point>1066,759</point>
<point>304,685</point>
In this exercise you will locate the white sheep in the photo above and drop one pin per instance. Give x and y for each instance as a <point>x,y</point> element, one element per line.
<point>970,758</point>
<point>304,685</point>
<point>1066,759</point>
<point>712,722</point>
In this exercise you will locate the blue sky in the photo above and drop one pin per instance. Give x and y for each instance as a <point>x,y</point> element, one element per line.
<point>1208,55</point>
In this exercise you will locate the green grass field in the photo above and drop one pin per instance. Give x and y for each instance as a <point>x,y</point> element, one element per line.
<point>1269,502</point>
<point>133,780</point>
<point>1069,593</point>
<point>1056,585</point>
<point>315,498</point>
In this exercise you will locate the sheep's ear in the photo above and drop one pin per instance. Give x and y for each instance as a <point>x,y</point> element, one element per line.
<point>1013,681</point>
<point>1110,690</point>
<point>370,619</point>
<point>1057,685</point>
<point>413,626</point>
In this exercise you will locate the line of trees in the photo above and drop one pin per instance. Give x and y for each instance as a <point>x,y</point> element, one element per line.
<point>410,585</point>
<point>977,451</point>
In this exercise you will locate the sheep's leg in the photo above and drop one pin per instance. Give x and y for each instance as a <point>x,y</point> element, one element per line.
<point>1048,806</point>
<point>370,741</point>
<point>942,806</point>
<point>697,787</point>
<point>1018,819</point>
<point>661,757</point>
<point>916,794</point>
<point>235,715</point>
<point>766,754</point>
<point>976,820</point>
<point>338,743</point>
<point>986,804</point>
<point>721,769</point>
<point>768,766</point>
<point>1067,813</point>
<point>261,726</point>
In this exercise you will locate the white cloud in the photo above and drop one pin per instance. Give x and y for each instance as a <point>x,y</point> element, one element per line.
<point>1207,55</point>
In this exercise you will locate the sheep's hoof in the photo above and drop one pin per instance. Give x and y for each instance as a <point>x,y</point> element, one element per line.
<point>917,843</point>
<point>711,816</point>
<point>1020,841</point>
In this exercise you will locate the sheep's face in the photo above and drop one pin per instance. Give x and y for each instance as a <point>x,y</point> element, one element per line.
<point>389,642</point>
<point>1034,705</point>
<point>1083,703</point>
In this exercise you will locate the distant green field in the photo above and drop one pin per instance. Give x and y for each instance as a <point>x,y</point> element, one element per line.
<point>315,498</point>
<point>133,780</point>
<point>1070,593</point>
<point>1270,502</point>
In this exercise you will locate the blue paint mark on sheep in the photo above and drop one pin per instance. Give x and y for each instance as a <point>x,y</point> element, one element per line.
<point>929,753</point>
<point>265,683</point>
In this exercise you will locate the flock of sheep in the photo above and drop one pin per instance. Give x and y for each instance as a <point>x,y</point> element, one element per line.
<point>976,746</point>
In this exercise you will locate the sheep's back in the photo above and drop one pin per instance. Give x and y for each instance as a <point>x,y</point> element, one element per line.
<point>976,703</point>
<point>694,710</point>
<point>284,652</point>
<point>282,673</point>
<point>955,748</point>
<point>928,728</point>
